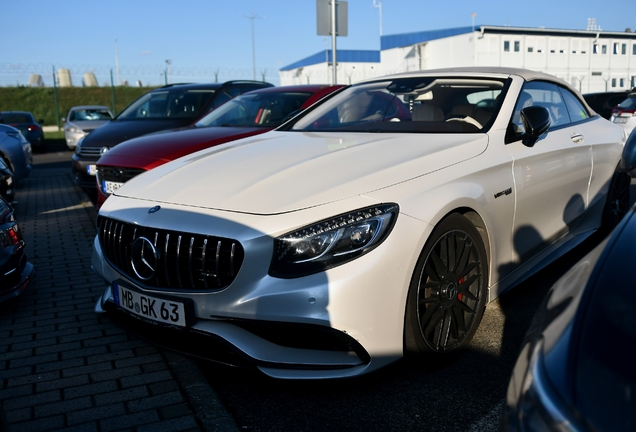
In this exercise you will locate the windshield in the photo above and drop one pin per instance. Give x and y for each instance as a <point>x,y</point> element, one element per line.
<point>628,104</point>
<point>15,118</point>
<point>267,109</point>
<point>421,104</point>
<point>90,115</point>
<point>169,103</point>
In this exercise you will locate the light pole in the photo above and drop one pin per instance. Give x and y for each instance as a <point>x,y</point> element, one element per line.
<point>252,17</point>
<point>378,4</point>
<point>117,63</point>
<point>169,72</point>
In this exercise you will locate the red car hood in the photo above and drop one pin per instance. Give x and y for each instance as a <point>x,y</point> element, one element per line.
<point>150,151</point>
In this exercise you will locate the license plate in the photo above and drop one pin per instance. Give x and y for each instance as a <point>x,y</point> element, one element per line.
<point>91,169</point>
<point>620,120</point>
<point>109,187</point>
<point>167,311</point>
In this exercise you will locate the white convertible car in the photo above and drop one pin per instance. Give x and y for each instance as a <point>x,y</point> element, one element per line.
<point>376,224</point>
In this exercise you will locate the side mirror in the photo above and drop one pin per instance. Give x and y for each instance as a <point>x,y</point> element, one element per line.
<point>536,121</point>
<point>628,159</point>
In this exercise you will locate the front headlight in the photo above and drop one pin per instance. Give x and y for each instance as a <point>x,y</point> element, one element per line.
<point>332,242</point>
<point>74,129</point>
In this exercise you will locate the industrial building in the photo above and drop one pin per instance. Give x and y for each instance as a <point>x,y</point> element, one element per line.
<point>590,60</point>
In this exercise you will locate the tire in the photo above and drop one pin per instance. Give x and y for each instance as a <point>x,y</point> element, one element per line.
<point>618,201</point>
<point>447,296</point>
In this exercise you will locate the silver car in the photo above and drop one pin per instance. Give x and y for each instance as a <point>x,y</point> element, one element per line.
<point>81,120</point>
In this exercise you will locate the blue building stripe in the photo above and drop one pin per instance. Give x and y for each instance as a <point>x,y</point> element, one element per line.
<point>348,56</point>
<point>408,39</point>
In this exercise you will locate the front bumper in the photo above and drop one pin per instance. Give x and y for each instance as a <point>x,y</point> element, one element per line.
<point>343,322</point>
<point>80,166</point>
<point>10,292</point>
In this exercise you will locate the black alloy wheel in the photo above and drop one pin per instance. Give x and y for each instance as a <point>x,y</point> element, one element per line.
<point>448,291</point>
<point>618,201</point>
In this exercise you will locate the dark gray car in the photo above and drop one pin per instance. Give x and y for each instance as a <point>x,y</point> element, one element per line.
<point>15,150</point>
<point>25,122</point>
<point>169,107</point>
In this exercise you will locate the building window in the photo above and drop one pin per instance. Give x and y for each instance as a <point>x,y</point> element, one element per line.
<point>540,50</point>
<point>613,82</point>
<point>506,46</point>
<point>624,49</point>
<point>622,82</point>
<point>517,46</point>
<point>530,49</point>
<point>603,49</point>
<point>595,49</point>
<point>634,49</point>
<point>615,50</point>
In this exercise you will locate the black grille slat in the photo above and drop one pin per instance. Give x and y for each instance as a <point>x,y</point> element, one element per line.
<point>91,151</point>
<point>189,261</point>
<point>117,174</point>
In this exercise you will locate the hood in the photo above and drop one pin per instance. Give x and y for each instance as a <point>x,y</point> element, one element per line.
<point>152,150</point>
<point>115,131</point>
<point>280,172</point>
<point>87,125</point>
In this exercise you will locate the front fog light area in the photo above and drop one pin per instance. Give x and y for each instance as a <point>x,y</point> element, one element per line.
<point>332,242</point>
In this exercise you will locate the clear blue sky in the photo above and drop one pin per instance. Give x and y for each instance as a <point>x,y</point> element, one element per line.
<point>203,36</point>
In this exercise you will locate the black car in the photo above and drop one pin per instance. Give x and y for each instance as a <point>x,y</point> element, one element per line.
<point>603,102</point>
<point>168,107</point>
<point>15,271</point>
<point>25,123</point>
<point>6,182</point>
<point>576,368</point>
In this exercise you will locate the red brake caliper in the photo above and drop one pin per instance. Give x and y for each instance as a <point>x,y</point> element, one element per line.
<point>460,296</point>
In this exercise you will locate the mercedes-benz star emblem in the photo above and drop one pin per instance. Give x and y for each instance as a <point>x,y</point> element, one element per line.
<point>144,258</point>
<point>155,209</point>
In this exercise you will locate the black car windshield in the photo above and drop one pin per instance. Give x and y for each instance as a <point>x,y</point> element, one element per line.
<point>268,109</point>
<point>415,104</point>
<point>629,103</point>
<point>169,103</point>
<point>90,115</point>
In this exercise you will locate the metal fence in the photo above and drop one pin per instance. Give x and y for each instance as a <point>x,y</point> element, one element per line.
<point>20,74</point>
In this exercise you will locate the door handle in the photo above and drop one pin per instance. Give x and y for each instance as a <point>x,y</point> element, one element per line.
<point>577,138</point>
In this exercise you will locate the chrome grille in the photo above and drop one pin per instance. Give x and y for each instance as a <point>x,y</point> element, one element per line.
<point>90,151</point>
<point>117,174</point>
<point>184,261</point>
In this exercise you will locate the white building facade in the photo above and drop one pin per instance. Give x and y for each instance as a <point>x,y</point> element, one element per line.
<point>353,66</point>
<point>592,61</point>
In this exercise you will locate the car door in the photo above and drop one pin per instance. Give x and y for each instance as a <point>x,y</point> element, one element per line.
<point>551,177</point>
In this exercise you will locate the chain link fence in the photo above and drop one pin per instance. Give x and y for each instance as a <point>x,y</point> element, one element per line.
<point>20,74</point>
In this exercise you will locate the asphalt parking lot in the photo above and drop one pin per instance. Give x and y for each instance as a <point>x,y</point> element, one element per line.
<point>61,365</point>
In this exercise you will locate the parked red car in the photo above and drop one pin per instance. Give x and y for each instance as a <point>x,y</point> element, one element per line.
<point>246,115</point>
